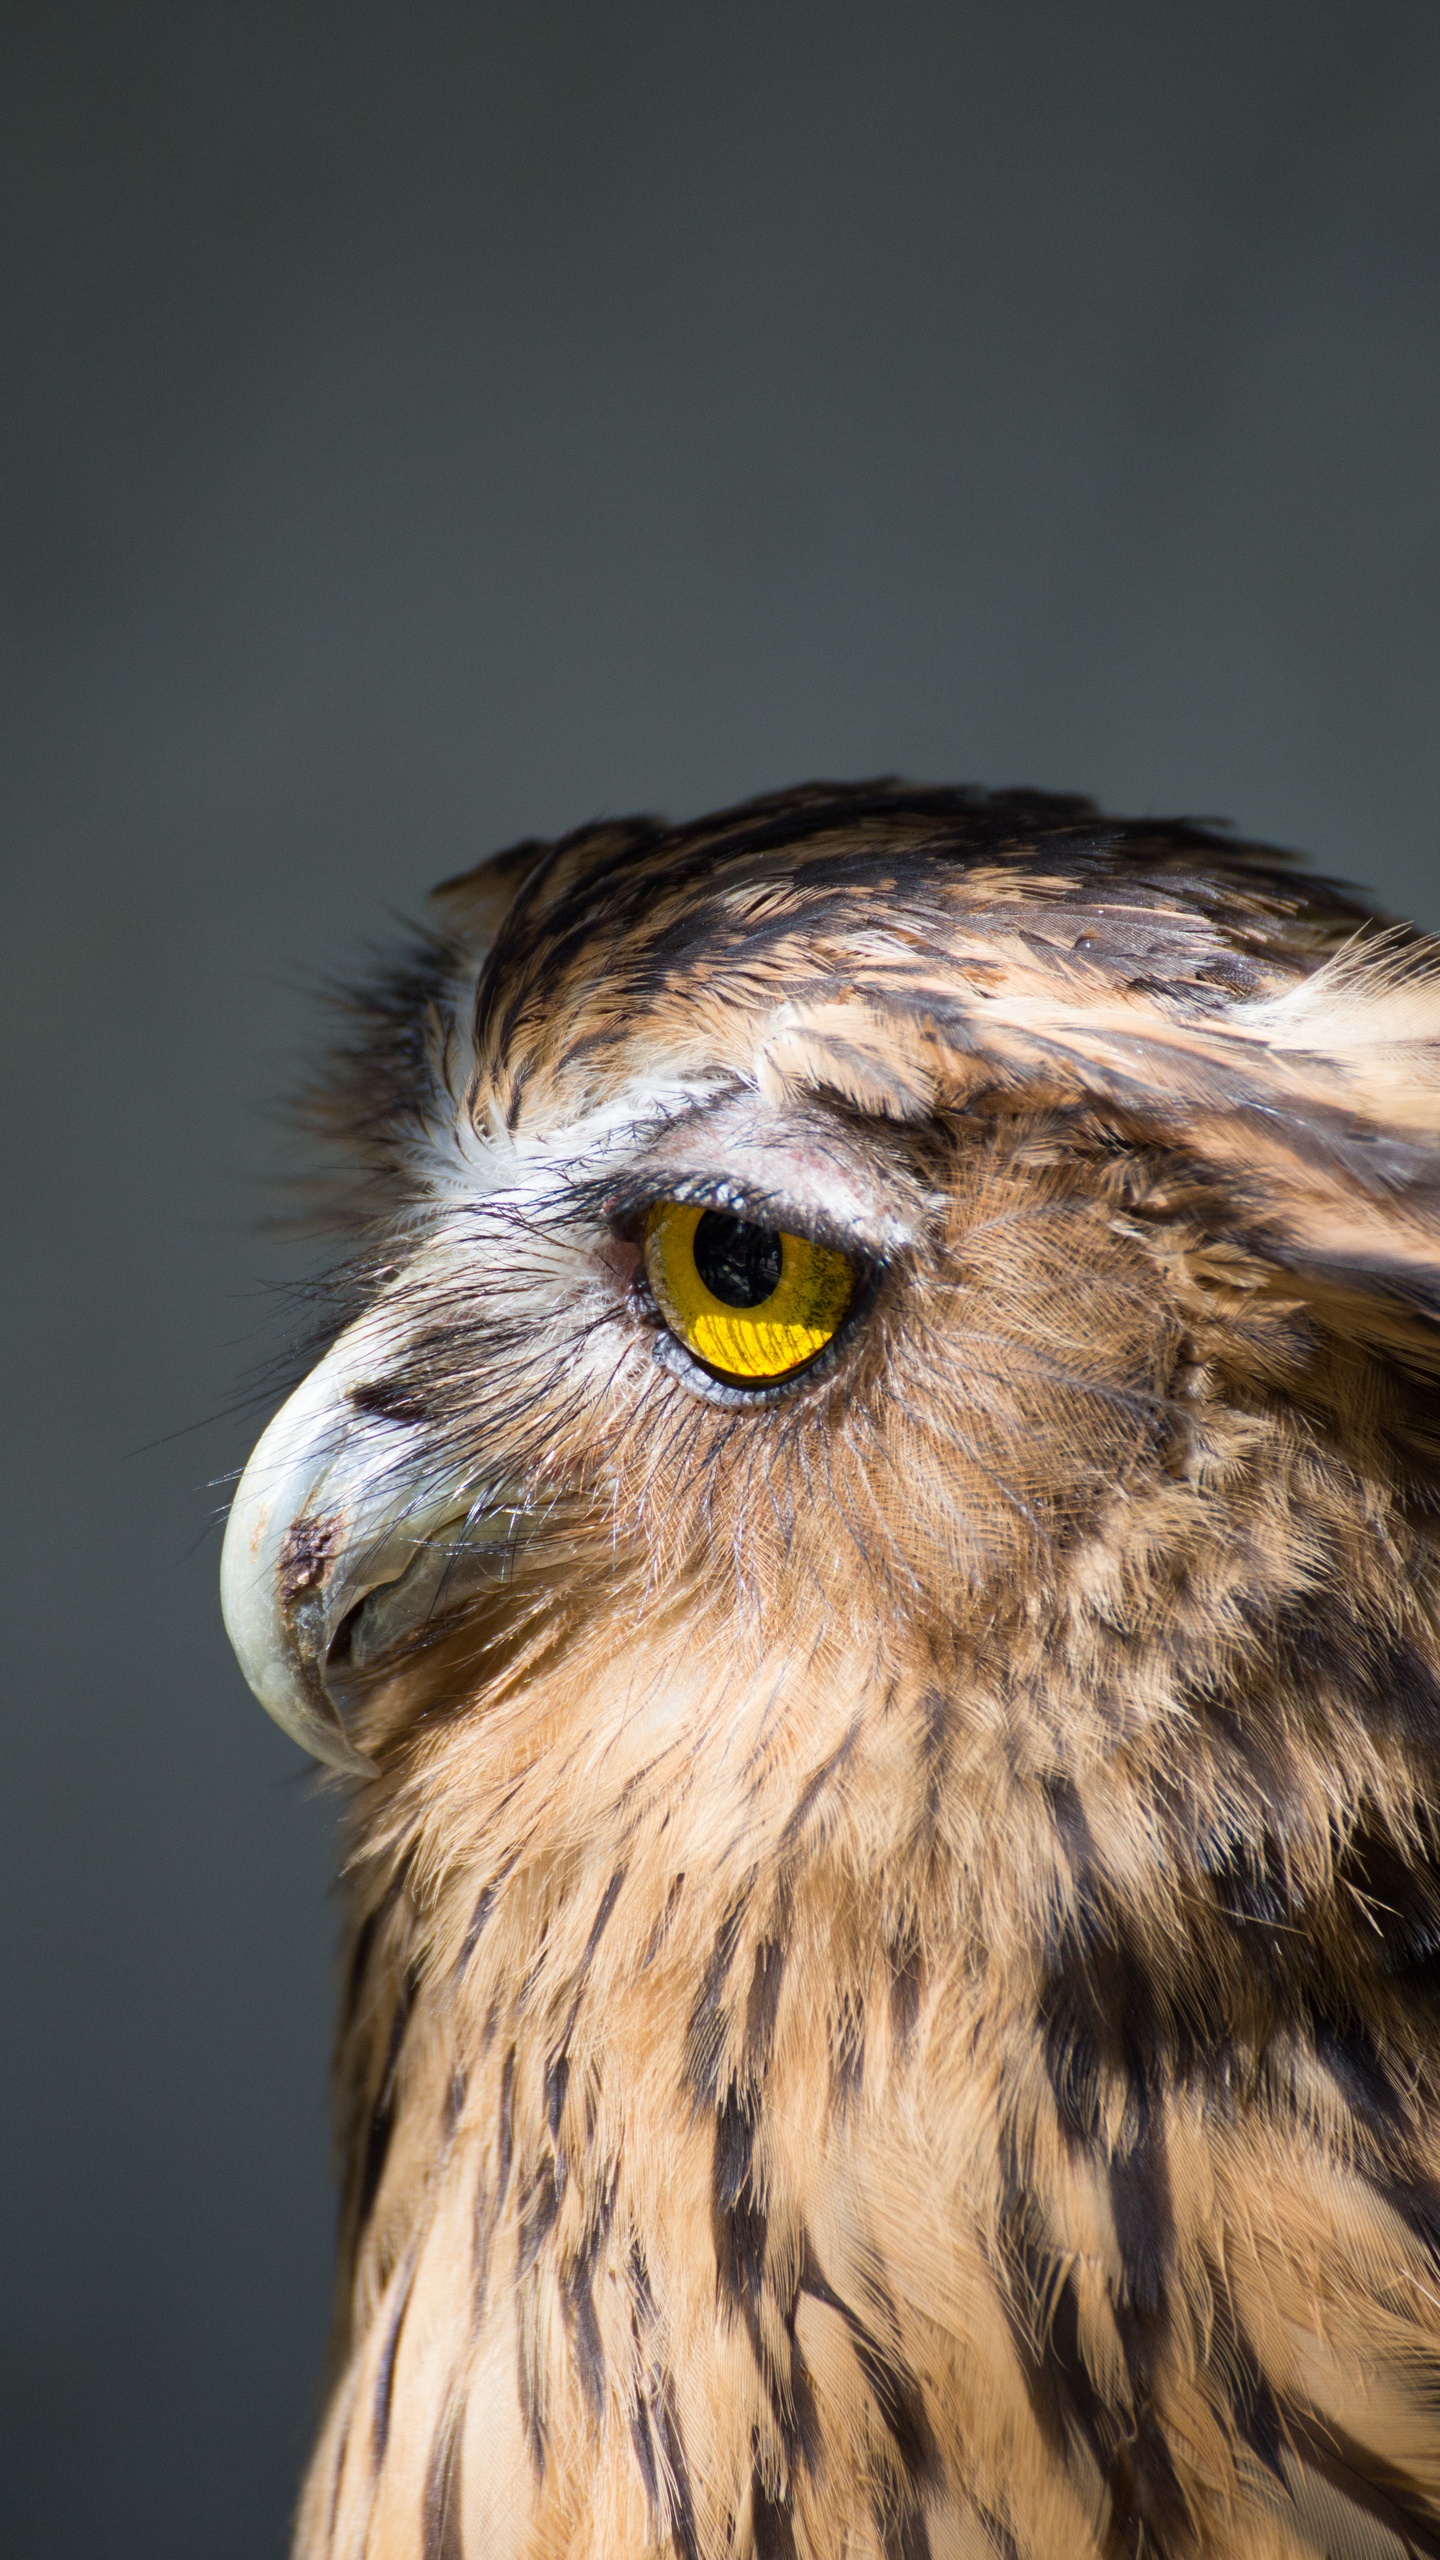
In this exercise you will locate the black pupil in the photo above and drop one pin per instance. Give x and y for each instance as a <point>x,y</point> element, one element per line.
<point>738,1261</point>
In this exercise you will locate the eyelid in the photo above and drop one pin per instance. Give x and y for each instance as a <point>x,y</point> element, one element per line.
<point>629,1204</point>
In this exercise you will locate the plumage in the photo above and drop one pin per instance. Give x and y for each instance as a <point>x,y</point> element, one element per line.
<point>892,1998</point>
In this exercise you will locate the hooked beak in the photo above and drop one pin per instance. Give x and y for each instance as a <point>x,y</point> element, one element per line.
<point>344,1538</point>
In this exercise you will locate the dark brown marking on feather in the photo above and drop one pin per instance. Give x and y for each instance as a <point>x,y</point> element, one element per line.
<point>577,2293</point>
<point>505,2131</point>
<point>771,2525</point>
<point>535,1968</point>
<point>1149,2512</point>
<point>1398,1895</point>
<point>1160,2519</point>
<point>681,2497</point>
<point>904,2536</point>
<point>763,2002</point>
<point>1323,1651</point>
<point>1408,1696</point>
<point>1101,2017</point>
<point>641,2291</point>
<point>1028,2267</point>
<point>1143,2215</point>
<point>893,2387</point>
<point>557,2081</point>
<point>661,1930</point>
<point>792,2400</point>
<point>1077,2399</point>
<point>519,1078</point>
<point>1391,2496</point>
<point>1144,2221</point>
<point>1351,2057</point>
<point>1043,2313</point>
<point>598,1925</point>
<point>1249,1879</point>
<point>585,2338</point>
<point>363,1945</point>
<point>1101,2427</point>
<point>608,1901</point>
<point>479,1919</point>
<point>1316,1644</point>
<point>537,2217</point>
<point>1231,971</point>
<point>643,2443</point>
<point>1252,2402</point>
<point>1246,1855</point>
<point>1098,2024</point>
<point>738,2219</point>
<point>815,1786</point>
<point>1417,2201</point>
<point>382,2115</point>
<point>385,2373</point>
<point>907,1974</point>
<point>706,2030</point>
<point>1248,1860</point>
<point>998,2534</point>
<point>443,2526</point>
<point>1349,2054</point>
<point>655,2422</point>
<point>897,2396</point>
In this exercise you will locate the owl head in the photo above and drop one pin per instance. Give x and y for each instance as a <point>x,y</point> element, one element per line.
<point>870,1239</point>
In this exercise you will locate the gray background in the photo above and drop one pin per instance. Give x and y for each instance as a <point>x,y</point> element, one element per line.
<point>426,426</point>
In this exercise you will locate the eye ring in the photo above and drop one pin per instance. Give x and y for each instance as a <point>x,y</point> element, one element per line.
<point>753,1306</point>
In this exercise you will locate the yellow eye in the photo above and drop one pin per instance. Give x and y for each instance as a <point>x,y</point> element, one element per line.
<point>752,1302</point>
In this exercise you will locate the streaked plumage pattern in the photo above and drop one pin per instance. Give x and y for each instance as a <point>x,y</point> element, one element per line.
<point>893,1984</point>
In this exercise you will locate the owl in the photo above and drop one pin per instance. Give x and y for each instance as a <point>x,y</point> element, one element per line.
<point>865,1551</point>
